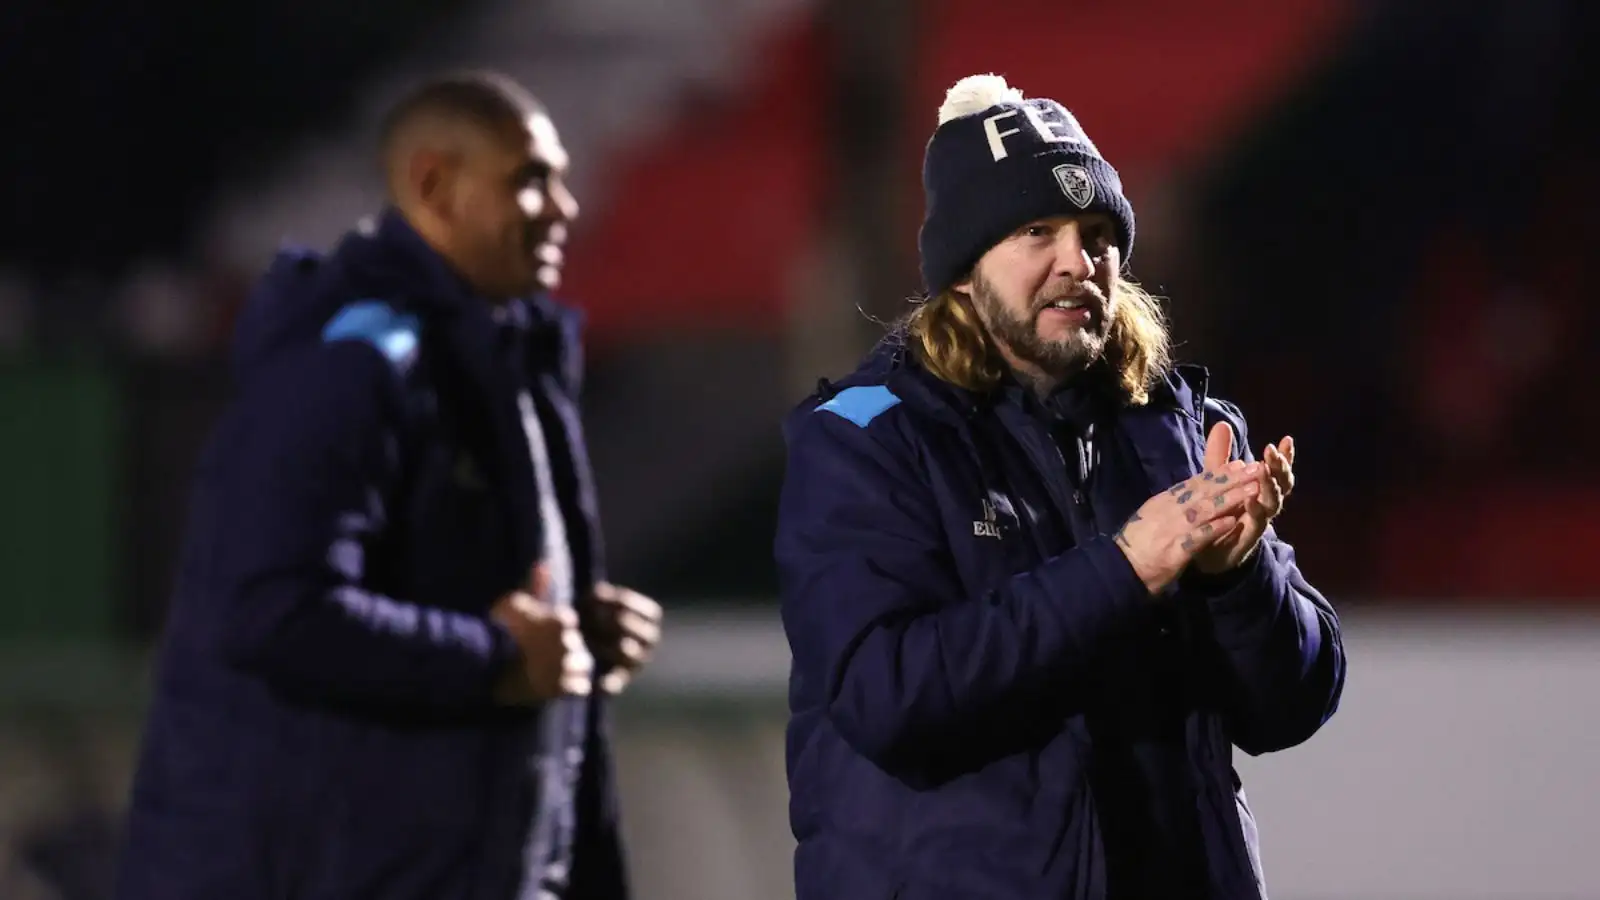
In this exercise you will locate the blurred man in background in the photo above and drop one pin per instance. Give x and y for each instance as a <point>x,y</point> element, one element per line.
<point>384,663</point>
<point>1028,574</point>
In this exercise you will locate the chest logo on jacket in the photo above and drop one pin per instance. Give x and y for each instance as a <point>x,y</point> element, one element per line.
<point>989,525</point>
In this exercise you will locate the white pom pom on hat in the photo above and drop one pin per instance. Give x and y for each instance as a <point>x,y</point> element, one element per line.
<point>974,94</point>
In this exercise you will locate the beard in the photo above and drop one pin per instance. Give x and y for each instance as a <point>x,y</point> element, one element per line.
<point>1060,358</point>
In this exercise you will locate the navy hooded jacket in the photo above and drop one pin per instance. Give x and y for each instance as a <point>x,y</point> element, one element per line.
<point>322,724</point>
<point>953,645</point>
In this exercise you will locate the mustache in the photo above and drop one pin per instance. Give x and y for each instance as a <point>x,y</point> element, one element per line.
<point>1086,292</point>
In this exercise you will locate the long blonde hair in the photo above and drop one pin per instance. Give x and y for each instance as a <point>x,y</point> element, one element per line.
<point>950,340</point>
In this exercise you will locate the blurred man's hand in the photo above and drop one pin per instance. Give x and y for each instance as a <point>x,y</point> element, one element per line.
<point>553,660</point>
<point>624,627</point>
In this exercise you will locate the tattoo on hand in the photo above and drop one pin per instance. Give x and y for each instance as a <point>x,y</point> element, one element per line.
<point>1185,496</point>
<point>1221,501</point>
<point>1208,476</point>
<point>1222,479</point>
<point>1189,542</point>
<point>1191,514</point>
<point>1178,488</point>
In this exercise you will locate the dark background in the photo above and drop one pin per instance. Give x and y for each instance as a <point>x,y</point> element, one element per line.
<point>1373,219</point>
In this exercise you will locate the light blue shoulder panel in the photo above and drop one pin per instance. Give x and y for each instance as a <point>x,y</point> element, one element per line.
<point>861,404</point>
<point>395,334</point>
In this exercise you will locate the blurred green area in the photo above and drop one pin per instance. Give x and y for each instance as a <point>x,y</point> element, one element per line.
<point>58,446</point>
<point>60,441</point>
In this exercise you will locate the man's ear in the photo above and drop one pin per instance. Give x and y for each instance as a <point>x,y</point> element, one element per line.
<point>963,287</point>
<point>431,174</point>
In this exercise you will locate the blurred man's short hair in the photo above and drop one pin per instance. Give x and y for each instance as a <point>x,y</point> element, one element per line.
<point>484,98</point>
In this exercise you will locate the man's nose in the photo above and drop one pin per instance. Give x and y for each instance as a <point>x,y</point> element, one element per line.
<point>1072,257</point>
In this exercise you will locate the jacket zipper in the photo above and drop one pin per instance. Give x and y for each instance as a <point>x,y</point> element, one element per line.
<point>1027,433</point>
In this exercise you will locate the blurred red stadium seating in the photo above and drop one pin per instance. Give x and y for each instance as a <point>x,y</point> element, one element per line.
<point>1113,64</point>
<point>1513,539</point>
<point>744,183</point>
<point>705,221</point>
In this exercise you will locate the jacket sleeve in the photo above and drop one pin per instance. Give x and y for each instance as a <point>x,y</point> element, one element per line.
<point>307,470</point>
<point>885,640</point>
<point>1280,648</point>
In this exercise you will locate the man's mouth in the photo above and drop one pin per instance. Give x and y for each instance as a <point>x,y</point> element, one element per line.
<point>548,257</point>
<point>1074,303</point>
<point>547,244</point>
<point>550,254</point>
<point>1082,308</point>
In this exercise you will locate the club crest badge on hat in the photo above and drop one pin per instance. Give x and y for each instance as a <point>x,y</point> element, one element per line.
<point>1076,184</point>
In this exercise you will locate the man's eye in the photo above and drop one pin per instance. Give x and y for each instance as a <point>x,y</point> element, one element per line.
<point>533,176</point>
<point>1036,231</point>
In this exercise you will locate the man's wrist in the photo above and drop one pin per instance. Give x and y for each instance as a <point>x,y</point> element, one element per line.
<point>505,661</point>
<point>1216,584</point>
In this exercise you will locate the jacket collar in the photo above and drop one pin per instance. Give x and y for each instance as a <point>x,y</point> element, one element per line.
<point>1182,391</point>
<point>1166,433</point>
<point>389,257</point>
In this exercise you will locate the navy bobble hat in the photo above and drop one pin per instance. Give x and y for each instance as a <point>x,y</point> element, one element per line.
<point>998,161</point>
